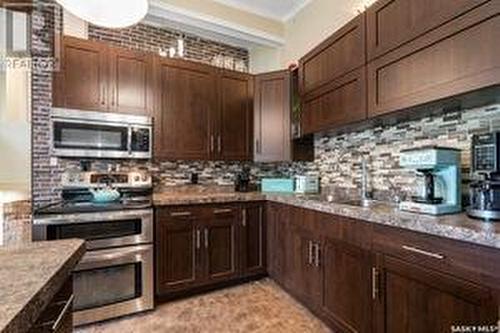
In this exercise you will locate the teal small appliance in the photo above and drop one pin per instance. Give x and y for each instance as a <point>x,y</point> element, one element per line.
<point>438,186</point>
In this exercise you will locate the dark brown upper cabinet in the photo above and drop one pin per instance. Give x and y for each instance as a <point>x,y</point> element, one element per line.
<point>340,102</point>
<point>273,115</point>
<point>332,80</point>
<point>233,122</point>
<point>82,81</point>
<point>272,131</point>
<point>131,82</point>
<point>203,113</point>
<point>341,53</point>
<point>186,95</point>
<point>458,57</point>
<point>392,23</point>
<point>96,77</point>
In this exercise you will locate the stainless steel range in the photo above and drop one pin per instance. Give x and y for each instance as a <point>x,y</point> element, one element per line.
<point>113,213</point>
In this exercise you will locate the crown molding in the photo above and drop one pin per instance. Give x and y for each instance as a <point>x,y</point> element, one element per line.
<point>165,15</point>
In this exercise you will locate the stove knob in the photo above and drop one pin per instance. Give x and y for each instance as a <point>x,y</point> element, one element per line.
<point>137,178</point>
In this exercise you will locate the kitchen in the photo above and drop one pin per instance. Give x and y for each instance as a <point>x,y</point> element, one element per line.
<point>253,166</point>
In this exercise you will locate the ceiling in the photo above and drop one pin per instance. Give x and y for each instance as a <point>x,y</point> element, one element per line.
<point>281,10</point>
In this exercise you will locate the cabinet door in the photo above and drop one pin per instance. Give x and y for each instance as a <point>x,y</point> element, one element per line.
<point>272,117</point>
<point>440,64</point>
<point>131,79</point>
<point>82,82</point>
<point>411,299</point>
<point>220,241</point>
<point>277,220</point>
<point>391,23</point>
<point>235,121</point>
<point>341,53</point>
<point>303,259</point>
<point>347,286</point>
<point>253,242</point>
<point>337,104</point>
<point>178,244</point>
<point>187,95</point>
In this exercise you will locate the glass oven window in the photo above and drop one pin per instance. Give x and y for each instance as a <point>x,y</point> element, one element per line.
<point>106,285</point>
<point>90,136</point>
<point>96,230</point>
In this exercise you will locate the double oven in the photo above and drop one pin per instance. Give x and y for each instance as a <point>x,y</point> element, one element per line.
<point>115,277</point>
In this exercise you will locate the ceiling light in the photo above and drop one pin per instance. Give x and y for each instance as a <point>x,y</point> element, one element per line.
<point>108,13</point>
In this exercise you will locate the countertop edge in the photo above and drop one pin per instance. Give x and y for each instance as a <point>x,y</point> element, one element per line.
<point>27,317</point>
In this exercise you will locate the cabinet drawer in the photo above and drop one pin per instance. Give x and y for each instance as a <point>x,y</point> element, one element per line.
<point>339,103</point>
<point>341,53</point>
<point>468,261</point>
<point>440,64</point>
<point>391,23</point>
<point>346,230</point>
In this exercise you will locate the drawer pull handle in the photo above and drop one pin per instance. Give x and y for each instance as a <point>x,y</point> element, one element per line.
<point>423,252</point>
<point>222,211</point>
<point>375,283</point>
<point>181,214</point>
<point>317,254</point>
<point>244,218</point>
<point>198,239</point>
<point>65,310</point>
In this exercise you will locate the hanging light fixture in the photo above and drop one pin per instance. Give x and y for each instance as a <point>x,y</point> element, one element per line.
<point>108,13</point>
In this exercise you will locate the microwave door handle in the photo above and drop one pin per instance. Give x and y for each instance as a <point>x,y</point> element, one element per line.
<point>129,140</point>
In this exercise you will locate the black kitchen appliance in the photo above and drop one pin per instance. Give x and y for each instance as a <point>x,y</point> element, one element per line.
<point>242,182</point>
<point>484,190</point>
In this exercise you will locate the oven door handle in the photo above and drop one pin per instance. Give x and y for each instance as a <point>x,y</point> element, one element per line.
<point>124,255</point>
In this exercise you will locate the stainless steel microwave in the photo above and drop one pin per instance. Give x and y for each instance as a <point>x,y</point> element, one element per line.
<point>77,133</point>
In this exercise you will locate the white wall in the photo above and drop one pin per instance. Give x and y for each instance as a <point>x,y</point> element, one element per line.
<point>264,59</point>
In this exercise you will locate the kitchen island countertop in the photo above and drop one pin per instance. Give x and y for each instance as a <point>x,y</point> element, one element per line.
<point>30,276</point>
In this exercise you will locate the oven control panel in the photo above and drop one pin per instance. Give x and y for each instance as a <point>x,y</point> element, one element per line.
<point>134,179</point>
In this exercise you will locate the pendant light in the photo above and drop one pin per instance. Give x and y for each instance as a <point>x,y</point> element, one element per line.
<point>108,13</point>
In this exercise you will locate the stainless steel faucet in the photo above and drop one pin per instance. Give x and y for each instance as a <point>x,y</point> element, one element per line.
<point>365,197</point>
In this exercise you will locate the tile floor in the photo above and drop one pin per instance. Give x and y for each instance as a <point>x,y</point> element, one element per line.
<point>259,306</point>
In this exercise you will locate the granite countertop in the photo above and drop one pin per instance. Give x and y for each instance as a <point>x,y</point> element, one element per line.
<point>198,194</point>
<point>457,226</point>
<point>30,276</point>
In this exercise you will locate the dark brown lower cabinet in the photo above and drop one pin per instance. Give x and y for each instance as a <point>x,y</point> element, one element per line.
<point>253,239</point>
<point>220,242</point>
<point>277,217</point>
<point>347,288</point>
<point>409,298</point>
<point>302,263</point>
<point>202,245</point>
<point>178,247</point>
<point>327,263</point>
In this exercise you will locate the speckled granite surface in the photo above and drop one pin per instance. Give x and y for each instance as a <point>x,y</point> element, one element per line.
<point>458,226</point>
<point>198,194</point>
<point>30,276</point>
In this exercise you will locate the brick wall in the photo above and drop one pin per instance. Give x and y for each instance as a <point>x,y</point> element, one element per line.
<point>153,39</point>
